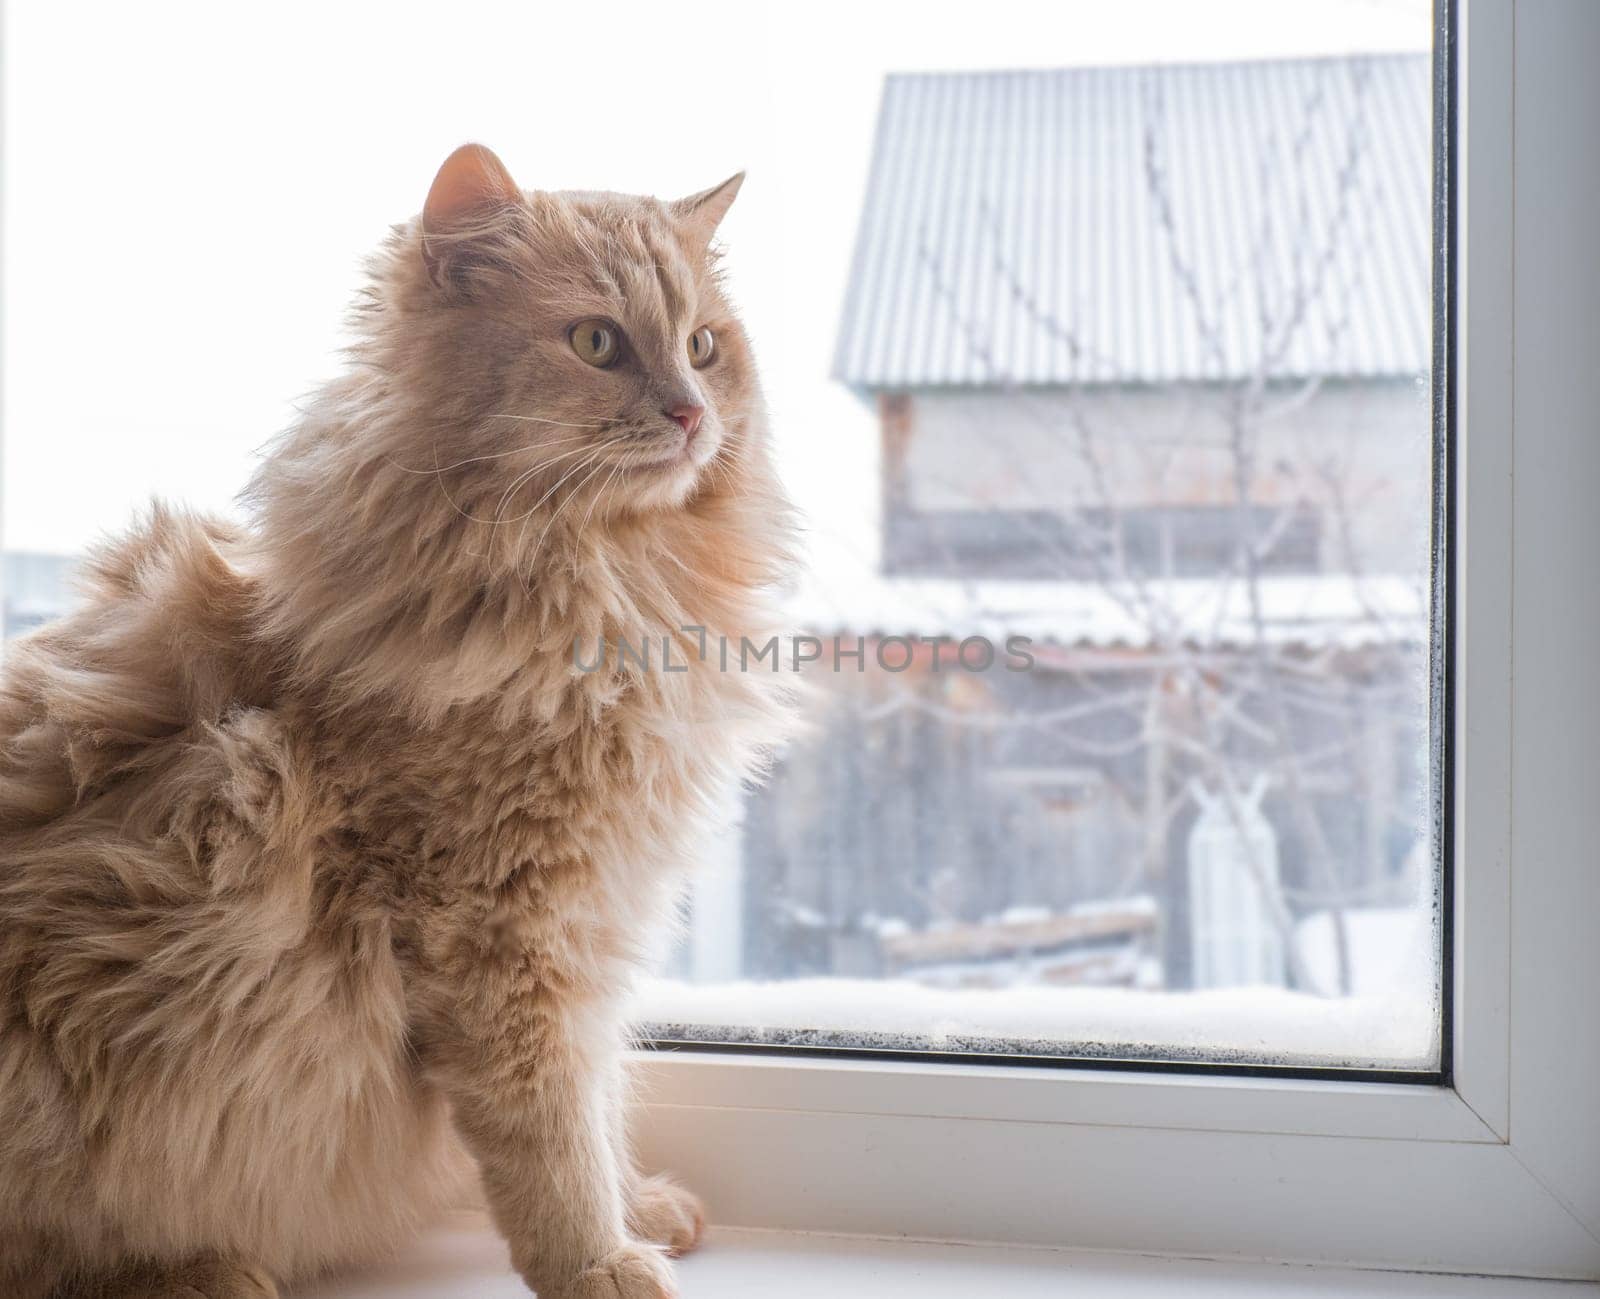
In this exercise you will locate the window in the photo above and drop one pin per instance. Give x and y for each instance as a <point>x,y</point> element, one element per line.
<point>1103,383</point>
<point>1493,1168</point>
<point>1111,423</point>
<point>1122,745</point>
<point>994,873</point>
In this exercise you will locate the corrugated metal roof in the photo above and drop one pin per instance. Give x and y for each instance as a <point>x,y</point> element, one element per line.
<point>1145,225</point>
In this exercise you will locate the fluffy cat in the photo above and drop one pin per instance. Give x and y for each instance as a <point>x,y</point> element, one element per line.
<point>320,859</point>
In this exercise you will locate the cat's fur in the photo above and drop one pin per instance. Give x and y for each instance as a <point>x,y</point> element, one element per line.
<point>316,850</point>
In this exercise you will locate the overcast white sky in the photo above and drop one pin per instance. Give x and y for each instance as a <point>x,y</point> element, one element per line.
<point>188,189</point>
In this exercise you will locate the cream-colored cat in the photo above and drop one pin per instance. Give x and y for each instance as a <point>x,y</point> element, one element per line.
<point>317,851</point>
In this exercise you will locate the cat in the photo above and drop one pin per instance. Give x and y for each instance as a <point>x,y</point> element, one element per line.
<point>323,868</point>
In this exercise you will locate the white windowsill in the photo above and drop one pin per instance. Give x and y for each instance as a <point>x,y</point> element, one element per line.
<point>467,1261</point>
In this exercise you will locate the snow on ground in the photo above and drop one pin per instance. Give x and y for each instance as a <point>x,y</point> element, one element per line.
<point>1265,1025</point>
<point>1380,941</point>
<point>1391,1021</point>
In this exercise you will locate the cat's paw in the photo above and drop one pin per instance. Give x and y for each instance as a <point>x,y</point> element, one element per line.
<point>666,1214</point>
<point>635,1271</point>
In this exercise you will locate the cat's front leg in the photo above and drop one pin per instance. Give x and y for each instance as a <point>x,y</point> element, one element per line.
<point>529,1065</point>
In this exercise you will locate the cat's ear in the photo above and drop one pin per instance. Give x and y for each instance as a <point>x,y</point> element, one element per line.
<point>471,189</point>
<point>700,214</point>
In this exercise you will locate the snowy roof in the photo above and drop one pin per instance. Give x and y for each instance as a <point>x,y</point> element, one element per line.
<point>1145,225</point>
<point>1332,610</point>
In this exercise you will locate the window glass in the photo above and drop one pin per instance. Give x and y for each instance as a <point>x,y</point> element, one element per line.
<point>1097,341</point>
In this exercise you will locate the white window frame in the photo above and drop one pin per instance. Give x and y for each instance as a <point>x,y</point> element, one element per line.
<point>1498,1172</point>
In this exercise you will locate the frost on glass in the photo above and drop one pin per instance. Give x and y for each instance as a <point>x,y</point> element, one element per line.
<point>1147,352</point>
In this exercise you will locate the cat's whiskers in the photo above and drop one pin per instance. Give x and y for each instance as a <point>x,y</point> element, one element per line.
<point>588,463</point>
<point>491,455</point>
<point>438,474</point>
<point>527,568</point>
<point>721,464</point>
<point>523,478</point>
<point>539,419</point>
<point>534,508</point>
<point>438,471</point>
<point>520,479</point>
<point>616,469</point>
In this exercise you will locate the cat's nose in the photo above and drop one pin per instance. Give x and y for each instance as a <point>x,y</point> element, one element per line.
<point>688,416</point>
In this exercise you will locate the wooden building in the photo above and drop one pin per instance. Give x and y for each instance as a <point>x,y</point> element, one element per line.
<point>1149,351</point>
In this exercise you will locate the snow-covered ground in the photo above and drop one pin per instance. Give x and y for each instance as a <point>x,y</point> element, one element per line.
<point>1396,1030</point>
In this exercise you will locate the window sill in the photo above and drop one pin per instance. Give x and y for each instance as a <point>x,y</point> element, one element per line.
<point>467,1261</point>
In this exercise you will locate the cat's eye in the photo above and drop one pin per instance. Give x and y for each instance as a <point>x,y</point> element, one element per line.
<point>702,343</point>
<point>597,342</point>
